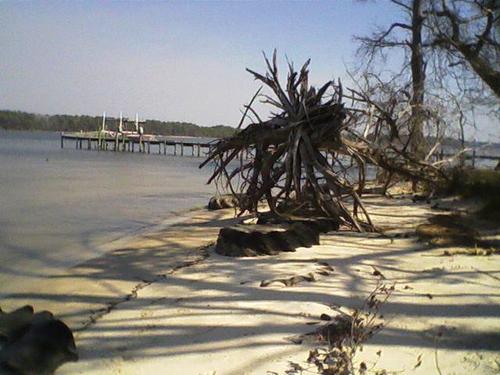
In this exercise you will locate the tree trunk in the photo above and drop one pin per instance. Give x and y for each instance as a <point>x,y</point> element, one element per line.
<point>417,141</point>
<point>484,70</point>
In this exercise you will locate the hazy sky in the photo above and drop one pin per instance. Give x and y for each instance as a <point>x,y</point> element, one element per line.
<point>177,60</point>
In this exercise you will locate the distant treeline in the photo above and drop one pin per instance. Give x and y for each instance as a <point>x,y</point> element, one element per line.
<point>16,120</point>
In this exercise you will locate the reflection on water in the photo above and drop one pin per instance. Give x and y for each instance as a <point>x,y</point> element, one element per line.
<point>57,207</point>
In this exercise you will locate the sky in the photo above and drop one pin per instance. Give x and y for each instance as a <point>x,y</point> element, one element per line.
<point>169,60</point>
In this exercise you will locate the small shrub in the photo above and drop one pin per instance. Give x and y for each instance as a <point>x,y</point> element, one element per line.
<point>344,336</point>
<point>481,183</point>
<point>491,208</point>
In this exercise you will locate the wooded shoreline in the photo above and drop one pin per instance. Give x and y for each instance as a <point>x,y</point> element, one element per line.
<point>18,120</point>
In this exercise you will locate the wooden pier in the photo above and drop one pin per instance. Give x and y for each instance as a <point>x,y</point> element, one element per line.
<point>472,156</point>
<point>133,142</point>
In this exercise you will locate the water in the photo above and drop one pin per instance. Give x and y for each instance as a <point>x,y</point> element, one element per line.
<point>59,207</point>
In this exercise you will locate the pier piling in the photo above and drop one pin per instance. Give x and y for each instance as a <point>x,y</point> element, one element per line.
<point>120,142</point>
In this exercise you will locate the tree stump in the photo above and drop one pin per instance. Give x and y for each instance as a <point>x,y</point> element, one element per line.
<point>272,234</point>
<point>270,239</point>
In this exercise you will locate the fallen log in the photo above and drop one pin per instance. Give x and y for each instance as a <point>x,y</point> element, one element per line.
<point>271,239</point>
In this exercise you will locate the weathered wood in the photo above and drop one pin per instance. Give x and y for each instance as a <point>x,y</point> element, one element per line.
<point>288,148</point>
<point>122,142</point>
<point>290,152</point>
<point>256,240</point>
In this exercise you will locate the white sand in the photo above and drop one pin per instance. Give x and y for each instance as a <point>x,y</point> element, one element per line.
<point>212,317</point>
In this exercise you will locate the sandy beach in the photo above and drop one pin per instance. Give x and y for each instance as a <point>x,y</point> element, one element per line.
<point>164,302</point>
<point>250,187</point>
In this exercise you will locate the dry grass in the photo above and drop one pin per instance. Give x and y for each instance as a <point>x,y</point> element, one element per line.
<point>344,336</point>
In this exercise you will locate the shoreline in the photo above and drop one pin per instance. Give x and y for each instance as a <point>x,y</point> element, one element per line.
<point>98,246</point>
<point>49,292</point>
<point>172,218</point>
<point>164,302</point>
<point>60,208</point>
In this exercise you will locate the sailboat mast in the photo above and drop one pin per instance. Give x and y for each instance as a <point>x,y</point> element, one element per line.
<point>103,121</point>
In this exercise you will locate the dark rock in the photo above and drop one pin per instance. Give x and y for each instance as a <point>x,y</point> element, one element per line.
<point>325,317</point>
<point>13,324</point>
<point>37,344</point>
<point>219,202</point>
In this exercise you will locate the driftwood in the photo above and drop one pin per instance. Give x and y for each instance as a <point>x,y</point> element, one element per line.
<point>271,239</point>
<point>290,151</point>
<point>308,156</point>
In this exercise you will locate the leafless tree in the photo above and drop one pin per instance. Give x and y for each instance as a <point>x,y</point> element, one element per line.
<point>411,40</point>
<point>308,159</point>
<point>468,30</point>
<point>449,67</point>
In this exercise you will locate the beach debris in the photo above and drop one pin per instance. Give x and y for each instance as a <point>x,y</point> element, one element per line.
<point>419,361</point>
<point>218,202</point>
<point>34,343</point>
<point>377,273</point>
<point>288,150</point>
<point>290,281</point>
<point>344,335</point>
<point>473,252</point>
<point>255,240</point>
<point>311,154</point>
<point>324,269</point>
<point>325,317</point>
<point>272,235</point>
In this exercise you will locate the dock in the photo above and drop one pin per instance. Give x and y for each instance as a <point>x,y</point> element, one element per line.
<point>122,139</point>
<point>133,142</point>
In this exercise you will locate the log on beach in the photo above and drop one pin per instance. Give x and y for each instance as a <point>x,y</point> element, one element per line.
<point>270,239</point>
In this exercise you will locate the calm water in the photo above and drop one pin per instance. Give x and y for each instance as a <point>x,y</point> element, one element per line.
<point>58,207</point>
